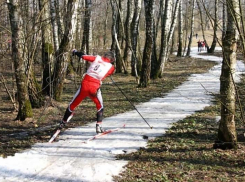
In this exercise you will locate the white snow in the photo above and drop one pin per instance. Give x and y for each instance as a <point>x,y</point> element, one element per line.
<point>71,160</point>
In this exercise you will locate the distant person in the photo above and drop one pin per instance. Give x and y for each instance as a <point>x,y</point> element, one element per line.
<point>203,45</point>
<point>196,35</point>
<point>199,45</point>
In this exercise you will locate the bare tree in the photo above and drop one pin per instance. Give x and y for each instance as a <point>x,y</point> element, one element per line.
<point>87,33</point>
<point>215,27</point>
<point>54,25</point>
<point>180,30</point>
<point>227,129</point>
<point>166,23</point>
<point>154,59</point>
<point>16,23</point>
<point>135,33</point>
<point>105,25</point>
<point>113,26</point>
<point>59,19</point>
<point>61,55</point>
<point>192,29</point>
<point>47,46</point>
<point>127,29</point>
<point>202,23</point>
<point>120,64</point>
<point>146,62</point>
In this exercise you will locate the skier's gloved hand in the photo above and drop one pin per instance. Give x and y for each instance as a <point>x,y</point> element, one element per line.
<point>73,52</point>
<point>79,54</point>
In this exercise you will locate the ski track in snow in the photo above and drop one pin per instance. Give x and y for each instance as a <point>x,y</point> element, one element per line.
<point>70,160</point>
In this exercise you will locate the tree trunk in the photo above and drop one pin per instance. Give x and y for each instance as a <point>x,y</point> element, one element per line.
<point>172,27</point>
<point>192,29</point>
<point>166,23</point>
<point>105,26</point>
<point>146,62</point>
<point>58,19</point>
<point>135,32</point>
<point>128,22</point>
<point>213,45</point>
<point>227,129</point>
<point>168,27</point>
<point>54,25</point>
<point>202,26</point>
<point>25,109</point>
<point>180,30</point>
<point>224,20</point>
<point>113,26</point>
<point>120,64</point>
<point>61,55</point>
<point>47,47</point>
<point>87,33</point>
<point>154,60</point>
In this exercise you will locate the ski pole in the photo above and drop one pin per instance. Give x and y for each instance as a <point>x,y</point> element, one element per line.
<point>130,102</point>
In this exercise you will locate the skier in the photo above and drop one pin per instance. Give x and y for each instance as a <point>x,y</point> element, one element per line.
<point>99,69</point>
<point>199,45</point>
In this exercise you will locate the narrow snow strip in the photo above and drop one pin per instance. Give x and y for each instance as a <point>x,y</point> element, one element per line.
<point>72,160</point>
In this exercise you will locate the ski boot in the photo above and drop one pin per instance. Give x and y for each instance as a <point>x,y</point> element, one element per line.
<point>99,129</point>
<point>62,124</point>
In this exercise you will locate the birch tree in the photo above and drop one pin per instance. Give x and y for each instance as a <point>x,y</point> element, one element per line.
<point>105,25</point>
<point>54,25</point>
<point>168,26</point>
<point>146,62</point>
<point>62,54</point>
<point>180,30</point>
<point>120,64</point>
<point>114,41</point>
<point>16,23</point>
<point>58,18</point>
<point>135,32</point>
<point>154,59</point>
<point>31,40</point>
<point>227,129</point>
<point>47,46</point>
<point>215,27</point>
<point>224,20</point>
<point>127,25</point>
<point>166,22</point>
<point>192,29</point>
<point>87,33</point>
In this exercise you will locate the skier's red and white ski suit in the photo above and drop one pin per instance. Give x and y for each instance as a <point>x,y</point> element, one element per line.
<point>99,69</point>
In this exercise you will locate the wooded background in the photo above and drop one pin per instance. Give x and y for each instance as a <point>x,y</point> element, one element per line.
<point>141,33</point>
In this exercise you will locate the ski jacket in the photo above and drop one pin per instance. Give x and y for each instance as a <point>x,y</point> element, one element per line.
<point>99,69</point>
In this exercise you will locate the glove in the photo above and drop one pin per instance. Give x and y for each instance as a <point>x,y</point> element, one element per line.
<point>73,52</point>
<point>79,54</point>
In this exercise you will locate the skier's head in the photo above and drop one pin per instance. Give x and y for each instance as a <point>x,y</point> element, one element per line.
<point>110,55</point>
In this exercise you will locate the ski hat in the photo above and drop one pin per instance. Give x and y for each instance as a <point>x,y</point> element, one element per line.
<point>110,55</point>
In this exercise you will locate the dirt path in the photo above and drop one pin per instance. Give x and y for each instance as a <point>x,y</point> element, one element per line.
<point>71,160</point>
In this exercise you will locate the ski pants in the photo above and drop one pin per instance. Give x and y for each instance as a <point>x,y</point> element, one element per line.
<point>92,90</point>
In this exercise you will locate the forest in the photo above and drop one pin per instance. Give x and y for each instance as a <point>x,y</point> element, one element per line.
<point>152,41</point>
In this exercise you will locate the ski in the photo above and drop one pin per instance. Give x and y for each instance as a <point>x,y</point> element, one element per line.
<point>102,134</point>
<point>59,130</point>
